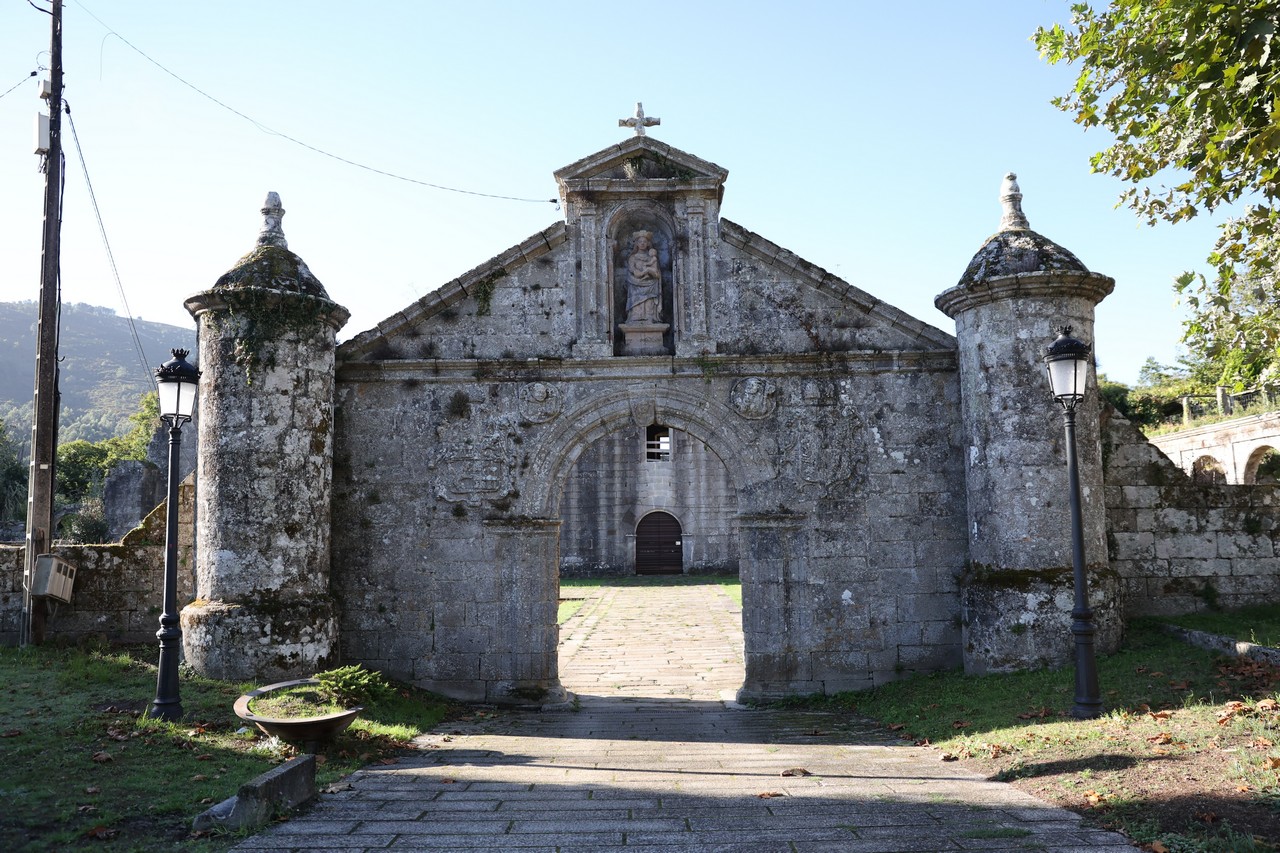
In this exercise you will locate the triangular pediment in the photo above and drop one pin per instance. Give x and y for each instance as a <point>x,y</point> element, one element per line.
<point>640,158</point>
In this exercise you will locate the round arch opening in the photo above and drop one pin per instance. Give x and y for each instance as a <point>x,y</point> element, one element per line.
<point>1263,467</point>
<point>1208,471</point>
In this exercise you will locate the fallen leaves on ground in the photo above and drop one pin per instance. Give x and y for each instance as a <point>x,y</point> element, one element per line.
<point>101,833</point>
<point>768,795</point>
<point>102,758</point>
<point>796,771</point>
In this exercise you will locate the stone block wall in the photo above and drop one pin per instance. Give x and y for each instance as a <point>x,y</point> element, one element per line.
<point>613,485</point>
<point>1181,547</point>
<point>846,475</point>
<point>118,586</point>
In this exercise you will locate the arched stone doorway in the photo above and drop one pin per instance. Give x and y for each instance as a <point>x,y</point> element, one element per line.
<point>621,479</point>
<point>659,545</point>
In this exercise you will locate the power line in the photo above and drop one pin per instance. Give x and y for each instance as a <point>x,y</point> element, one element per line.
<point>111,258</point>
<point>262,127</point>
<point>19,83</point>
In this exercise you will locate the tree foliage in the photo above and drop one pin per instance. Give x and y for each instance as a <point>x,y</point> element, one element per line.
<point>83,465</point>
<point>13,477</point>
<point>1190,89</point>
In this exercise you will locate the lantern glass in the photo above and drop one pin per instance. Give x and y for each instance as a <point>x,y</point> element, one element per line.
<point>177,398</point>
<point>1067,377</point>
<point>176,383</point>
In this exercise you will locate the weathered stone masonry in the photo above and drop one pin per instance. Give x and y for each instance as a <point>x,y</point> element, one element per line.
<point>892,497</point>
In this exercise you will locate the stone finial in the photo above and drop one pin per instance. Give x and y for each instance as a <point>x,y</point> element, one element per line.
<point>1011,200</point>
<point>640,121</point>
<point>272,234</point>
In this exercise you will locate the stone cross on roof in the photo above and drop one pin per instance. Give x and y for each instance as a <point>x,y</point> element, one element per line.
<point>640,121</point>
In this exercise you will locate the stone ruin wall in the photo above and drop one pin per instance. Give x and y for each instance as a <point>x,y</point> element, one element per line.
<point>118,586</point>
<point>1179,546</point>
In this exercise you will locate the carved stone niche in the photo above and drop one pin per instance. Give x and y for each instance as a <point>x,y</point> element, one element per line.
<point>641,249</point>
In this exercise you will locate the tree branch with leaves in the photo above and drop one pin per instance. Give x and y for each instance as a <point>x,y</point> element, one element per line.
<point>1190,89</point>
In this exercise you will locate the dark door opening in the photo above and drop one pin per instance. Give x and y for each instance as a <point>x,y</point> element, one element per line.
<point>659,546</point>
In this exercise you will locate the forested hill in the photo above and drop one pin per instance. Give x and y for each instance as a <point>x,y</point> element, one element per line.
<point>100,375</point>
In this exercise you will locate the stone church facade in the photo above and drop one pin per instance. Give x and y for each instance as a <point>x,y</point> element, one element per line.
<point>643,387</point>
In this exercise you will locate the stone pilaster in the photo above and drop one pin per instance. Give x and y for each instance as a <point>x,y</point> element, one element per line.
<point>777,620</point>
<point>519,663</point>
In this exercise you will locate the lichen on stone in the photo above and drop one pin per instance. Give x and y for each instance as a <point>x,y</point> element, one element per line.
<point>275,268</point>
<point>1018,251</point>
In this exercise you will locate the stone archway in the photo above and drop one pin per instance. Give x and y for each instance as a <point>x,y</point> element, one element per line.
<point>723,431</point>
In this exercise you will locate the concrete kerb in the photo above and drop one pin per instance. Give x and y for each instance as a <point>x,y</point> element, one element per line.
<point>1225,645</point>
<point>280,789</point>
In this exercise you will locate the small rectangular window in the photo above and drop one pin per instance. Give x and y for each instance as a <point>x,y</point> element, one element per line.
<point>657,445</point>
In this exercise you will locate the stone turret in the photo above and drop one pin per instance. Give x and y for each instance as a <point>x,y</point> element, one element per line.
<point>267,333</point>
<point>1017,589</point>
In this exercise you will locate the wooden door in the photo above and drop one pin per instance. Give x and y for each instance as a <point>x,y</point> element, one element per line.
<point>659,546</point>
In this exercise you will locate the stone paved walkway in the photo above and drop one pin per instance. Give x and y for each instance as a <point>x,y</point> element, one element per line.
<point>654,759</point>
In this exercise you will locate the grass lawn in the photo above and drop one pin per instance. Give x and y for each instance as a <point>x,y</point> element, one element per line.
<point>573,591</point>
<point>1185,759</point>
<point>82,768</point>
<point>1259,624</point>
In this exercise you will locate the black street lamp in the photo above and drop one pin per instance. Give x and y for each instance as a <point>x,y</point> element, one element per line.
<point>1067,361</point>
<point>176,382</point>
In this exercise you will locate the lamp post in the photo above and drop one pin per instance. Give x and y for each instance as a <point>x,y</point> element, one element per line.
<point>176,383</point>
<point>1067,361</point>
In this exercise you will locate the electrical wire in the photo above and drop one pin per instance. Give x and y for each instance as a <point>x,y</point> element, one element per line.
<point>271,131</point>
<point>111,258</point>
<point>19,83</point>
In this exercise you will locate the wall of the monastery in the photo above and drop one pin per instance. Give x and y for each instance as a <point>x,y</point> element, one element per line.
<point>528,312</point>
<point>859,586</point>
<point>757,308</point>
<point>614,484</point>
<point>118,588</point>
<point>725,301</point>
<point>1179,546</point>
<point>434,462</point>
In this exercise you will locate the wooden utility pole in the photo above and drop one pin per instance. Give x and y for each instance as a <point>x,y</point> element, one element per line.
<point>44,417</point>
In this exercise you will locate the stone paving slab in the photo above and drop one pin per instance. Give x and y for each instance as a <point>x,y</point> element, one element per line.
<point>653,759</point>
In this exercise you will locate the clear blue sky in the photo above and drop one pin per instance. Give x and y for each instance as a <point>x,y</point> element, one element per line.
<point>868,138</point>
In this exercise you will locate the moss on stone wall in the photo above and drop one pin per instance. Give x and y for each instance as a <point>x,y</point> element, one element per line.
<point>262,317</point>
